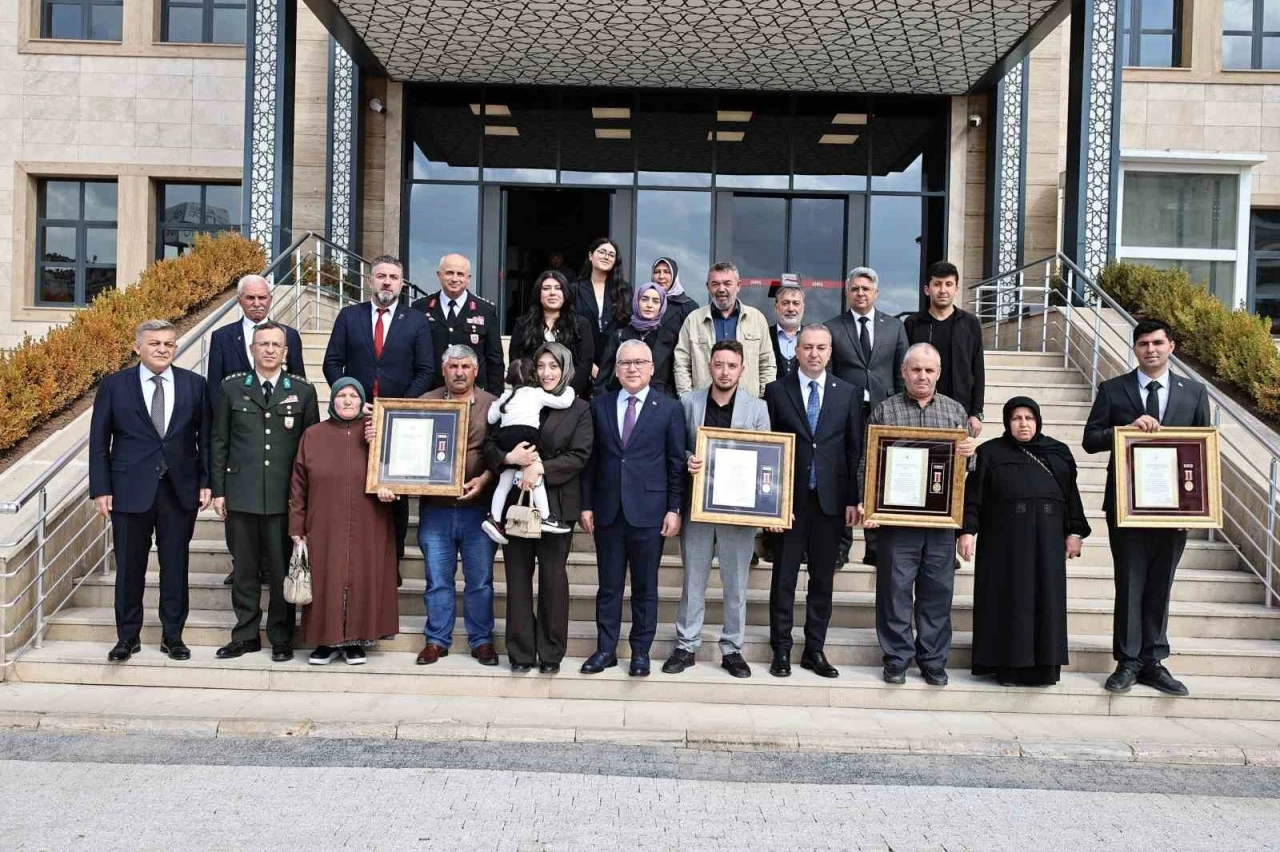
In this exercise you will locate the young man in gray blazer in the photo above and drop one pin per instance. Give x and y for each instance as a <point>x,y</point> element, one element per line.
<point>720,406</point>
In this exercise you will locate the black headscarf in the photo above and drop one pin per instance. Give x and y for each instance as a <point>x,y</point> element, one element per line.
<point>1054,454</point>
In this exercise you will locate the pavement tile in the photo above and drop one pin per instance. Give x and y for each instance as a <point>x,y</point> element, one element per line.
<point>75,722</point>
<point>172,726</point>
<point>19,721</point>
<point>529,734</point>
<point>353,730</point>
<point>263,728</point>
<point>440,731</point>
<point>1057,750</point>
<point>1188,754</point>
<point>720,738</point>
<point>967,747</point>
<point>630,736</point>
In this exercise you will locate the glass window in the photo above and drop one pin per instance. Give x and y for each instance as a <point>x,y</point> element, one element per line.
<point>1151,32</point>
<point>521,142</point>
<point>1250,34</point>
<point>1218,275</point>
<point>443,218</point>
<point>203,21</point>
<point>75,241</point>
<point>1266,265</point>
<point>673,139</point>
<point>897,223</point>
<point>758,235</point>
<point>908,147</point>
<point>675,224</point>
<point>1179,210</point>
<point>92,20</point>
<point>753,146</point>
<point>445,130</point>
<point>595,139</point>
<point>188,209</point>
<point>830,142</point>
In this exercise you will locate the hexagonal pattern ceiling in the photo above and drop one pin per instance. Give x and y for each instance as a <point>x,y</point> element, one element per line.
<point>928,47</point>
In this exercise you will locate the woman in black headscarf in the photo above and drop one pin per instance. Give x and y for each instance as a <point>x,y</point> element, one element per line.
<point>1022,503</point>
<point>679,305</point>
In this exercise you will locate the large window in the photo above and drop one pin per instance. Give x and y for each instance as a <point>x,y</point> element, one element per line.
<point>1151,33</point>
<point>1265,260</point>
<point>203,21</point>
<point>93,20</point>
<point>189,209</point>
<point>75,241</point>
<point>1250,34</point>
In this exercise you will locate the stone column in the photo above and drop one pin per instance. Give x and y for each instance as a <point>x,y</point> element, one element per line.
<point>342,176</point>
<point>1008,170</point>
<point>268,150</point>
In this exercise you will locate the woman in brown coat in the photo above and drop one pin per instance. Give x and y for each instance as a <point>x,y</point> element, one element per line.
<point>349,534</point>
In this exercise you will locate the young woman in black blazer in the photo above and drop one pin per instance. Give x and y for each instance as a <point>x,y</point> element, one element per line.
<point>552,317</point>
<point>604,296</point>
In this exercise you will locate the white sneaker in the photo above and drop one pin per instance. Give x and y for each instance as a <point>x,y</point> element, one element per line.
<point>551,524</point>
<point>493,530</point>
<point>323,655</point>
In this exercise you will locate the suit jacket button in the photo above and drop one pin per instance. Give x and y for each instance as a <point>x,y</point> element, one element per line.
<point>267,462</point>
<point>815,446</point>
<point>268,431</point>
<point>267,415</point>
<point>267,447</point>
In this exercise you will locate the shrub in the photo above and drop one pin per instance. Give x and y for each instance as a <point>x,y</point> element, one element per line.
<point>40,378</point>
<point>1236,345</point>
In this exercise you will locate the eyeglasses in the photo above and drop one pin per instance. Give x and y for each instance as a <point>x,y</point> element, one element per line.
<point>634,364</point>
<point>605,254</point>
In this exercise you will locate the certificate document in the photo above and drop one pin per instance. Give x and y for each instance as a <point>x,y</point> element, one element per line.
<point>905,478</point>
<point>1155,478</point>
<point>410,453</point>
<point>734,483</point>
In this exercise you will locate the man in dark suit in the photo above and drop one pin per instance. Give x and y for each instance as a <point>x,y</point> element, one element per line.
<point>631,502</point>
<point>867,348</point>
<point>149,472</point>
<point>788,309</point>
<point>1145,559</point>
<point>825,415</point>
<point>457,315</point>
<point>229,353</point>
<point>387,348</point>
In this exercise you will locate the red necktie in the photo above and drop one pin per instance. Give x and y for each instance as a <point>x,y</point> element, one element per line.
<point>378,334</point>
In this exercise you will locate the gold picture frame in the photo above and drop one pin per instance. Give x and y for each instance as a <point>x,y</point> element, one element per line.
<point>736,452</point>
<point>402,426</point>
<point>1178,486</point>
<point>940,504</point>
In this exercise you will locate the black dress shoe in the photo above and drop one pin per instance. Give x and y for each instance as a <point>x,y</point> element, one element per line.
<point>281,653</point>
<point>230,579</point>
<point>598,662</point>
<point>679,660</point>
<point>735,665</point>
<point>816,662</point>
<point>934,675</point>
<point>781,665</point>
<point>639,665</point>
<point>123,651</point>
<point>1157,676</point>
<point>869,558</point>
<point>522,667</point>
<point>895,673</point>
<point>175,649</point>
<point>238,648</point>
<point>548,668</point>
<point>1122,679</point>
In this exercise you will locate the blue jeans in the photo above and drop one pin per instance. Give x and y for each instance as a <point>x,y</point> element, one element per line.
<point>443,534</point>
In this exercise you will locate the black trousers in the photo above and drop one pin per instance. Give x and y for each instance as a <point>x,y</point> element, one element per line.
<point>618,545</point>
<point>258,539</point>
<point>543,636</point>
<point>400,514</point>
<point>819,535</point>
<point>1145,561</point>
<point>173,526</point>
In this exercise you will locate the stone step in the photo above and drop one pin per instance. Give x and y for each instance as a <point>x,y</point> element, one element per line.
<point>997,392</point>
<point>1032,377</point>
<point>1029,360</point>
<point>393,672</point>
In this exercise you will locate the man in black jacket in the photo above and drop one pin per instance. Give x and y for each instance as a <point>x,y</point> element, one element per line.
<point>456,315</point>
<point>957,335</point>
<point>1145,559</point>
<point>788,309</point>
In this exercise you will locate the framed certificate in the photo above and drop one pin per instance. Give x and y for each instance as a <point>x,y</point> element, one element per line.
<point>419,446</point>
<point>914,477</point>
<point>745,478</point>
<point>1169,478</point>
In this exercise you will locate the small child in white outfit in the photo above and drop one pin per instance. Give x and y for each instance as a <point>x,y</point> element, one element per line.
<point>519,411</point>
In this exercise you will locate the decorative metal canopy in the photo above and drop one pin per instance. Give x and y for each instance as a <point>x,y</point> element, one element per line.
<point>874,46</point>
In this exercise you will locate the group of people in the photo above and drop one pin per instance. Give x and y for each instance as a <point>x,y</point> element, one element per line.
<point>606,386</point>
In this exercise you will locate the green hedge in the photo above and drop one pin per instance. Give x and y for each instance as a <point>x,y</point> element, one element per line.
<point>1236,345</point>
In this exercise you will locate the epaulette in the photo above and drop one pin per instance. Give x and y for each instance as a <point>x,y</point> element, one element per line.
<point>230,376</point>
<point>487,302</point>
<point>298,378</point>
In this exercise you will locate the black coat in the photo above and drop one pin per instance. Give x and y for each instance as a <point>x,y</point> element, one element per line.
<point>678,310</point>
<point>662,342</point>
<point>786,366</point>
<point>583,353</point>
<point>837,446</point>
<point>564,444</point>
<point>227,355</point>
<point>964,363</point>
<point>476,326</point>
<point>603,325</point>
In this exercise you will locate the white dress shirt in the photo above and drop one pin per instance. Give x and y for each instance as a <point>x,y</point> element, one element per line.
<point>149,389</point>
<point>787,342</point>
<point>247,326</point>
<point>275,379</point>
<point>1162,395</point>
<point>446,302</point>
<point>623,395</point>
<point>386,319</point>
<point>871,323</point>
<point>804,380</point>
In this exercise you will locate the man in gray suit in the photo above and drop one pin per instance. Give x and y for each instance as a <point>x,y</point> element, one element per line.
<point>720,406</point>
<point>867,348</point>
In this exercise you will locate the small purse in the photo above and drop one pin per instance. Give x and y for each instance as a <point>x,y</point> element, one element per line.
<point>297,584</point>
<point>523,520</point>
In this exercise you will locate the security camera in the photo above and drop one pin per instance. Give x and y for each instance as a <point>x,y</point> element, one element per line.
<point>975,120</point>
<point>379,107</point>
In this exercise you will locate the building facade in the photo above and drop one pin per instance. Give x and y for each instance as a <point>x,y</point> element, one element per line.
<point>791,138</point>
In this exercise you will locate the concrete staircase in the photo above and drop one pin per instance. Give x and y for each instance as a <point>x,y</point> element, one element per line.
<point>1222,634</point>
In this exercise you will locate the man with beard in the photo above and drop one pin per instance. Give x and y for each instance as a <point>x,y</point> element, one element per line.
<point>788,308</point>
<point>726,318</point>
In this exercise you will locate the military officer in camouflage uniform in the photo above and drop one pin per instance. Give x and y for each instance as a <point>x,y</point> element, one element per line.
<point>457,315</point>
<point>258,423</point>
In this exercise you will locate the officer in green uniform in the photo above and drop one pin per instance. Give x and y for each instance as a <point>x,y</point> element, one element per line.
<point>458,315</point>
<point>258,423</point>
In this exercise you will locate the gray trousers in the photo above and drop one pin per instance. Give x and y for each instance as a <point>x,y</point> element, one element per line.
<point>733,547</point>
<point>920,562</point>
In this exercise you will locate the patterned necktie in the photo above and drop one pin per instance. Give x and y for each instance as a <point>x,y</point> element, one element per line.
<point>812,411</point>
<point>266,390</point>
<point>1153,400</point>
<point>157,405</point>
<point>864,339</point>
<point>629,421</point>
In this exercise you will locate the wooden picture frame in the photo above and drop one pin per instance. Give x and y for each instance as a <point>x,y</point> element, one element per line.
<point>429,440</point>
<point>898,456</point>
<point>1170,479</point>
<point>740,455</point>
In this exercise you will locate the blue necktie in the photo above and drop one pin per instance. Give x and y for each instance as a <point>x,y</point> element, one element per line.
<point>813,430</point>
